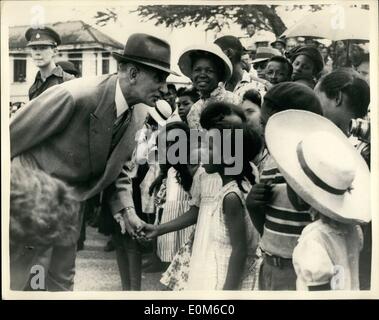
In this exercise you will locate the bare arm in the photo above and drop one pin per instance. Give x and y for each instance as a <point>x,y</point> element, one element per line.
<point>233,211</point>
<point>185,220</point>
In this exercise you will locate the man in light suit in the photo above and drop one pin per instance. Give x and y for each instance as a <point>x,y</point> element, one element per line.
<point>82,132</point>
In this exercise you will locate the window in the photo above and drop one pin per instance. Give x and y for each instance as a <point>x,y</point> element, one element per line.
<point>105,62</point>
<point>77,60</point>
<point>19,68</point>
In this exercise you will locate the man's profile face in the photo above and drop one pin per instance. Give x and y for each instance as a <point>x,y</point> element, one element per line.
<point>42,55</point>
<point>150,84</point>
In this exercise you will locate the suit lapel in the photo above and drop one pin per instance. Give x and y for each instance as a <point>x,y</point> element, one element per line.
<point>100,127</point>
<point>121,153</point>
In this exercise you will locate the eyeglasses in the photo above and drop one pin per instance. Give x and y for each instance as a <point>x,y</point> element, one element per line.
<point>259,65</point>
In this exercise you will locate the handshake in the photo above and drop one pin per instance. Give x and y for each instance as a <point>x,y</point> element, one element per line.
<point>134,226</point>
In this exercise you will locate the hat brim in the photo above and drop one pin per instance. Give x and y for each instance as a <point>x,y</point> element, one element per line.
<point>260,60</point>
<point>161,119</point>
<point>295,125</point>
<point>121,58</point>
<point>185,63</point>
<point>42,43</point>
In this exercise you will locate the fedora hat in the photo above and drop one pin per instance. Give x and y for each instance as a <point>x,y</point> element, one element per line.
<point>147,50</point>
<point>185,59</point>
<point>161,113</point>
<point>265,53</point>
<point>320,164</point>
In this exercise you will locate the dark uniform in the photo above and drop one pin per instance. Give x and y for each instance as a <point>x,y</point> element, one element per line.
<point>47,37</point>
<point>57,76</point>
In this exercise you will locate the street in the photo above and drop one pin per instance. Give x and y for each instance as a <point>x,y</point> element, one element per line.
<point>96,270</point>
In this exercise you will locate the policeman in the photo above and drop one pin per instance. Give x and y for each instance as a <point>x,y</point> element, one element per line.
<point>43,42</point>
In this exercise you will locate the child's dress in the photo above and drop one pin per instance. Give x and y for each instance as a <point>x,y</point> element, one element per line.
<point>327,255</point>
<point>212,248</point>
<point>177,203</point>
<point>204,189</point>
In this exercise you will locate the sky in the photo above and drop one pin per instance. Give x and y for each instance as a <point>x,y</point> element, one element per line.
<point>28,12</point>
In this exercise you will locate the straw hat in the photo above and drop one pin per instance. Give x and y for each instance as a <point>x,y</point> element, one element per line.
<point>185,60</point>
<point>161,113</point>
<point>265,54</point>
<point>320,164</point>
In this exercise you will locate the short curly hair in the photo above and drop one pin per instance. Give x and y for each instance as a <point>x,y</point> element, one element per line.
<point>42,210</point>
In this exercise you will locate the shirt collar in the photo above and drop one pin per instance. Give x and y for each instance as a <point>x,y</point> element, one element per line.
<point>121,104</point>
<point>57,71</point>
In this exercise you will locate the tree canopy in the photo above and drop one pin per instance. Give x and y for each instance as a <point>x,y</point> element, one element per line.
<point>263,17</point>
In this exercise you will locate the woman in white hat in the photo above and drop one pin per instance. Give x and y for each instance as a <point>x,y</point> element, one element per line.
<point>208,68</point>
<point>323,169</point>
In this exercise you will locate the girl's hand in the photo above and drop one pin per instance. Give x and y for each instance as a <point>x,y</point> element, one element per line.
<point>259,195</point>
<point>150,231</point>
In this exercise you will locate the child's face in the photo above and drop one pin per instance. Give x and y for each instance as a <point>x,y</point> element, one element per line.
<point>302,68</point>
<point>277,72</point>
<point>213,148</point>
<point>184,105</point>
<point>253,115</point>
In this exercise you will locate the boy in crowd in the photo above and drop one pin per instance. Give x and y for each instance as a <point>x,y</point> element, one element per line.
<point>278,69</point>
<point>186,98</point>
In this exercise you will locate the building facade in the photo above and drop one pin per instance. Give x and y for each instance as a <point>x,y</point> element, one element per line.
<point>86,47</point>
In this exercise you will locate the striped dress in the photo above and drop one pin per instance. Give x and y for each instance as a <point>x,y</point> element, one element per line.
<point>284,223</point>
<point>177,203</point>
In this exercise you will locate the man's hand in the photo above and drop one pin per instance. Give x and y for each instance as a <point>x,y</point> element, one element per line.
<point>120,220</point>
<point>130,222</point>
<point>259,195</point>
<point>133,223</point>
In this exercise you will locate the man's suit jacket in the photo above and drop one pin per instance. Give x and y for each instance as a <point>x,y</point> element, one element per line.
<point>67,132</point>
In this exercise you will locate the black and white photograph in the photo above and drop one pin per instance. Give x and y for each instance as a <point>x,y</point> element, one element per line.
<point>176,149</point>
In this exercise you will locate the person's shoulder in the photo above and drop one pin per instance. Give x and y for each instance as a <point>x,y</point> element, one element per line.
<point>86,85</point>
<point>67,76</point>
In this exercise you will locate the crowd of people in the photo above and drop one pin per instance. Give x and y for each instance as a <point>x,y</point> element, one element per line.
<point>296,215</point>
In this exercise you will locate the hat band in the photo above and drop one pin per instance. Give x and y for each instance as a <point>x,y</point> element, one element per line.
<point>148,60</point>
<point>311,175</point>
<point>161,114</point>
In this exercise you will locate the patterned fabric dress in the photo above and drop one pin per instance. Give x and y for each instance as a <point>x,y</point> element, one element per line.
<point>218,94</point>
<point>177,203</point>
<point>212,247</point>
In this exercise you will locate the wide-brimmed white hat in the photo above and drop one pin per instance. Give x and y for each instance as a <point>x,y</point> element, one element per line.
<point>320,164</point>
<point>185,61</point>
<point>161,112</point>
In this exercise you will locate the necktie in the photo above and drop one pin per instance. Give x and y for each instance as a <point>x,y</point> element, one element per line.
<point>119,127</point>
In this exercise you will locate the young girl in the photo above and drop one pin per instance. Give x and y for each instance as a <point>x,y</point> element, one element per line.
<point>225,239</point>
<point>323,169</point>
<point>178,184</point>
